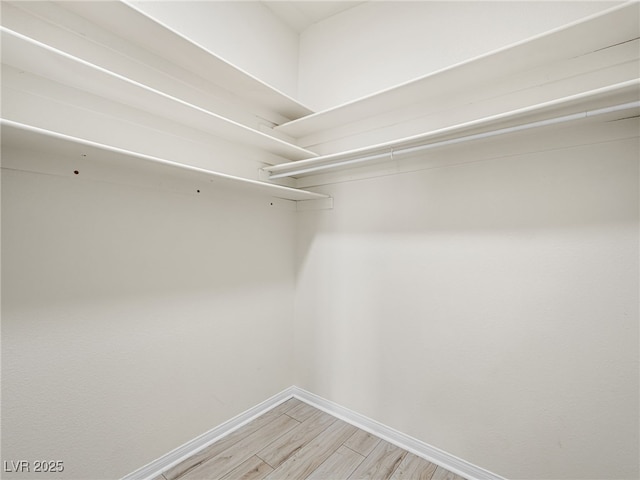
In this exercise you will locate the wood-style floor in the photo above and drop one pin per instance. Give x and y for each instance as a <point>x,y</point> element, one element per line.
<point>297,441</point>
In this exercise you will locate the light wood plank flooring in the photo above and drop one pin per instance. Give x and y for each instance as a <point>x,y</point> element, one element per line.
<point>297,441</point>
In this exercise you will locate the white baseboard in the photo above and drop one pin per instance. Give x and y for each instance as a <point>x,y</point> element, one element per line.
<point>184,451</point>
<point>417,447</point>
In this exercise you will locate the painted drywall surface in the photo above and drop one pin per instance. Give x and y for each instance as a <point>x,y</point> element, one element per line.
<point>246,34</point>
<point>134,319</point>
<point>488,309</point>
<point>378,45</point>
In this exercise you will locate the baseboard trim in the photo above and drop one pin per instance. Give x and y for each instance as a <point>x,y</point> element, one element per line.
<point>428,452</point>
<point>156,467</point>
<point>417,447</point>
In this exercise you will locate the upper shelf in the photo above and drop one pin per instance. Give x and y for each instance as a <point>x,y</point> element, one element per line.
<point>126,20</point>
<point>614,26</point>
<point>136,27</point>
<point>110,162</point>
<point>27,54</point>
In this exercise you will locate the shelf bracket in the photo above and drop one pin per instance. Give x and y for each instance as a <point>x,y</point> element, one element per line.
<point>318,204</point>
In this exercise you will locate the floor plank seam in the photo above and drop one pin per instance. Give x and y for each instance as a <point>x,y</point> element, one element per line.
<point>297,449</point>
<point>345,446</point>
<point>257,455</point>
<point>353,469</point>
<point>228,453</point>
<point>292,403</point>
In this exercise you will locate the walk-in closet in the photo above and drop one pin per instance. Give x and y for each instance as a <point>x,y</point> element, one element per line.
<point>391,239</point>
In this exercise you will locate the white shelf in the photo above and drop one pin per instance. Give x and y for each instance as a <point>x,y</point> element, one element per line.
<point>139,30</point>
<point>614,26</point>
<point>115,163</point>
<point>26,54</point>
<point>575,106</point>
<point>588,65</point>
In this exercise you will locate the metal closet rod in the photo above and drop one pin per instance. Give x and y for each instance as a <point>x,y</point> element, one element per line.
<point>395,152</point>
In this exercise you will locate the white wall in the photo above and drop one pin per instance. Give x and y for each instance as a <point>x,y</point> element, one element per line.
<point>489,309</point>
<point>378,45</point>
<point>135,319</point>
<point>246,34</point>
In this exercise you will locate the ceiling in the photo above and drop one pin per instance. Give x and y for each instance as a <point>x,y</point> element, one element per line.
<point>299,15</point>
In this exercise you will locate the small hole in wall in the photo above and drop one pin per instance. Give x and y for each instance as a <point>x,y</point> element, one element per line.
<point>271,204</point>
<point>198,191</point>
<point>76,172</point>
